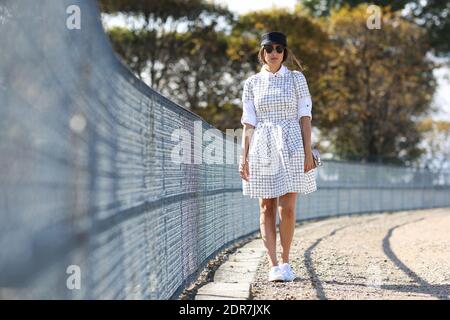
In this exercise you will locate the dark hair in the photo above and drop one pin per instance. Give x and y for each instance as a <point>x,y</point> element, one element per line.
<point>288,56</point>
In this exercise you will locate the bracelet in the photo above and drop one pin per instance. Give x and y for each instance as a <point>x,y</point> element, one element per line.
<point>243,162</point>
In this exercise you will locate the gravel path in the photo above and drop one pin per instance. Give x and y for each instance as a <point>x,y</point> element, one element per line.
<point>402,255</point>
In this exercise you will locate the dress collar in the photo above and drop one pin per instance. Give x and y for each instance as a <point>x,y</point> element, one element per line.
<point>280,72</point>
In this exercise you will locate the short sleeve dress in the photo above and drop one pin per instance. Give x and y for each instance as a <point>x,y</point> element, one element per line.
<point>274,104</point>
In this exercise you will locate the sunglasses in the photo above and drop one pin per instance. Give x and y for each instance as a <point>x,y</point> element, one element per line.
<point>269,49</point>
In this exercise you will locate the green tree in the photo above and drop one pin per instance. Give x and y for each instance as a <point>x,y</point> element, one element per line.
<point>379,83</point>
<point>199,75</point>
<point>306,38</point>
<point>433,15</point>
<point>324,7</point>
<point>177,48</point>
<point>151,44</point>
<point>437,144</point>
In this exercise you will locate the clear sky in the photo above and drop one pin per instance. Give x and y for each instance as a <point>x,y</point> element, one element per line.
<point>240,6</point>
<point>442,96</point>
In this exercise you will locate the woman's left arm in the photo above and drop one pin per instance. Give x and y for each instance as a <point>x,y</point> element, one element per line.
<point>306,135</point>
<point>305,116</point>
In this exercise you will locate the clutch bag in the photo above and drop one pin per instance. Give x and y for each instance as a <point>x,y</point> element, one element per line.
<point>316,157</point>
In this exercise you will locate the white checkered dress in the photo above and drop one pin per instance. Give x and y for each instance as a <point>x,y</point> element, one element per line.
<point>276,155</point>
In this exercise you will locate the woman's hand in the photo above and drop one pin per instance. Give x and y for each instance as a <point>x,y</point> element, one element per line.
<point>309,162</point>
<point>243,169</point>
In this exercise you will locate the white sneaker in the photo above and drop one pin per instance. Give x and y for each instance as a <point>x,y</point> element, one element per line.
<point>275,274</point>
<point>287,272</point>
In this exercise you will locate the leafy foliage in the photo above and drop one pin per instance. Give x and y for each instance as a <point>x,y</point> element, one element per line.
<point>370,87</point>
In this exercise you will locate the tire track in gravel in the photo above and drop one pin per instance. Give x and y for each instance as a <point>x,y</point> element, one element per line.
<point>273,288</point>
<point>340,256</point>
<point>313,276</point>
<point>440,292</point>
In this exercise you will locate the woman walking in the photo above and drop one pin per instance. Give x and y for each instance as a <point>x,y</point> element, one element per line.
<point>276,161</point>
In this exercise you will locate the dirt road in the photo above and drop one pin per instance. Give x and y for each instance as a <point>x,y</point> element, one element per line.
<point>402,255</point>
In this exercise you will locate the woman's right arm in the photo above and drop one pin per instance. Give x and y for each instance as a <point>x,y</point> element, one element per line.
<point>248,120</point>
<point>246,138</point>
<point>243,161</point>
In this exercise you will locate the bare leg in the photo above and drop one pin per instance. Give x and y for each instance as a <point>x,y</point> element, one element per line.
<point>267,223</point>
<point>287,223</point>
